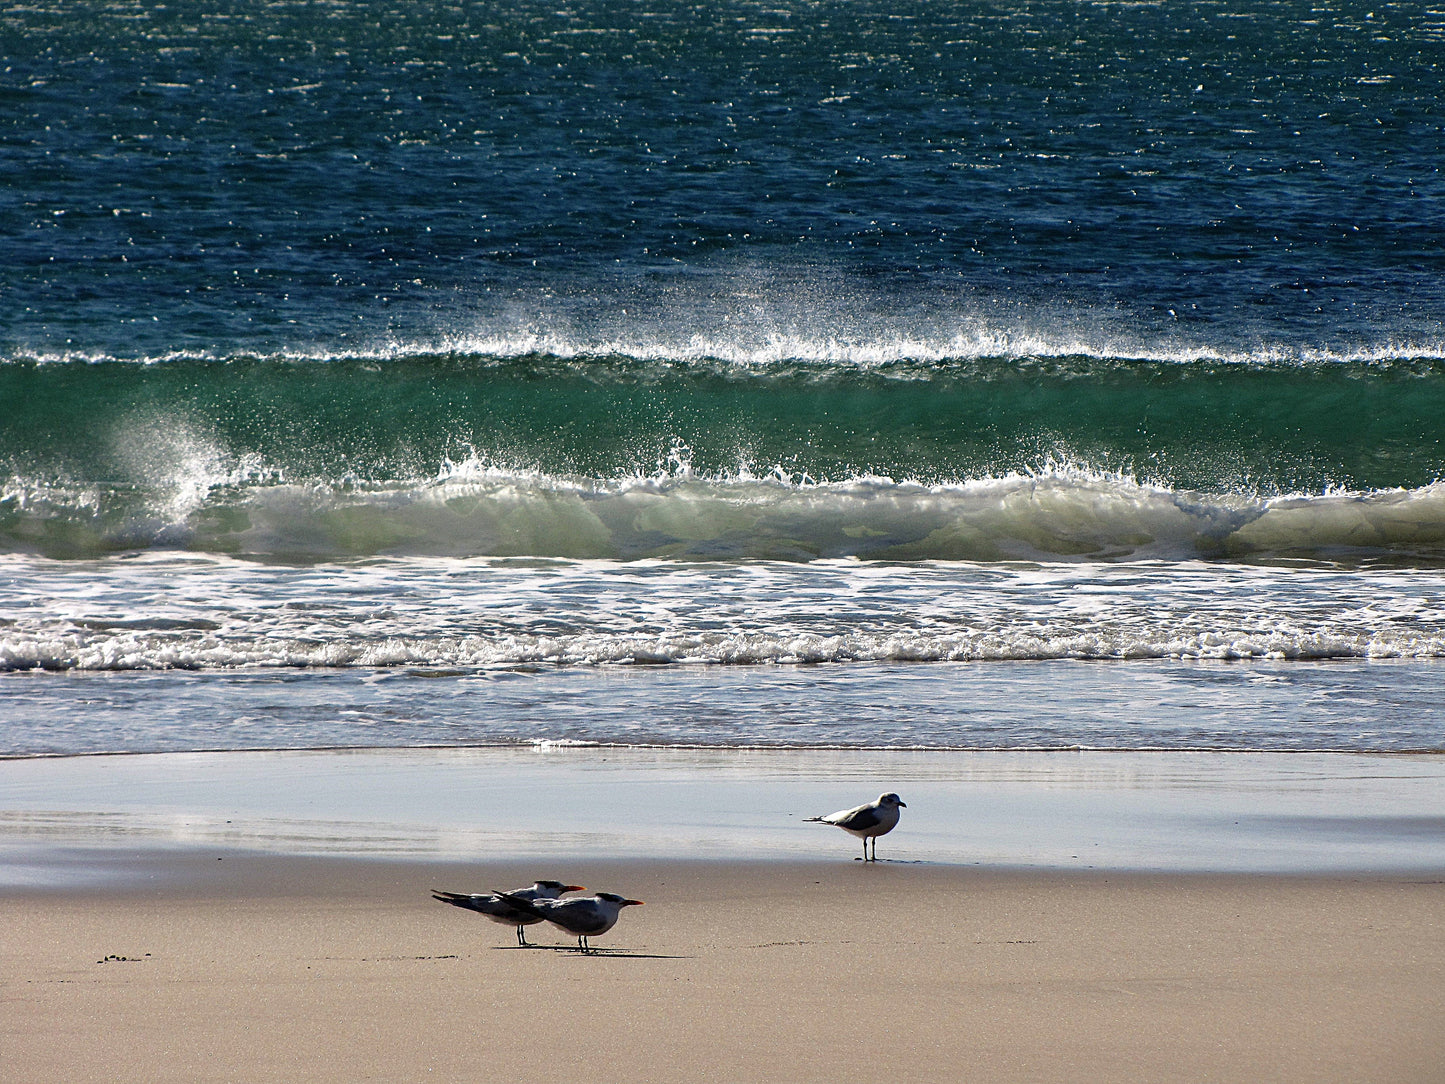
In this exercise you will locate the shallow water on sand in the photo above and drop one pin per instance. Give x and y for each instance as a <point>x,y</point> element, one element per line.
<point>1280,813</point>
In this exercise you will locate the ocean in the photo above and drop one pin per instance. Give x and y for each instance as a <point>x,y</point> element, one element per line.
<point>1007,376</point>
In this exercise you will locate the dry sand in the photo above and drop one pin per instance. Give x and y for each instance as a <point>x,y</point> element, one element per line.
<point>244,968</point>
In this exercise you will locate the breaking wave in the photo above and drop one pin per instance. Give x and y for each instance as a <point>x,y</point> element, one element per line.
<point>473,509</point>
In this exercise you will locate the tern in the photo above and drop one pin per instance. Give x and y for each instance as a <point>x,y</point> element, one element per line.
<point>582,917</point>
<point>868,821</point>
<point>498,907</point>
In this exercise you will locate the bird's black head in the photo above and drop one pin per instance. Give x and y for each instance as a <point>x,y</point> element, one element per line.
<point>557,886</point>
<point>621,901</point>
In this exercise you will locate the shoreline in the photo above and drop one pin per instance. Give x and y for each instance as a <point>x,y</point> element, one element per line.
<point>270,968</point>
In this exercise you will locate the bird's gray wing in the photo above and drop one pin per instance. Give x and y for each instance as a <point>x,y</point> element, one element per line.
<point>857,820</point>
<point>583,921</point>
<point>523,905</point>
<point>494,907</point>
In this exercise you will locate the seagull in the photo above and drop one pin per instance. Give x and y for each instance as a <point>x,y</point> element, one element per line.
<point>582,917</point>
<point>868,821</point>
<point>499,908</point>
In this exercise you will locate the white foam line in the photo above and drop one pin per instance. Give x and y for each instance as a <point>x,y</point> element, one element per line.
<point>864,354</point>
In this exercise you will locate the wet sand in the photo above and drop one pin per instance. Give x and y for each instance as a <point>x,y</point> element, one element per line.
<point>1177,812</point>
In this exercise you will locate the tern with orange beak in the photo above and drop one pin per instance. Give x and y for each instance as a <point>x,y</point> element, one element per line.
<point>582,917</point>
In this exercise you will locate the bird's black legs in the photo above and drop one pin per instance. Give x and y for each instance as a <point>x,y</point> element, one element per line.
<point>522,935</point>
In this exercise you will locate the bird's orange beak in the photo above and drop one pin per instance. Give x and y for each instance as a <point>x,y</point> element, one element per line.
<point>632,903</point>
<point>575,888</point>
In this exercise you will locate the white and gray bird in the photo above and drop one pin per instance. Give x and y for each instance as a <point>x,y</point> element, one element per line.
<point>498,906</point>
<point>581,916</point>
<point>868,821</point>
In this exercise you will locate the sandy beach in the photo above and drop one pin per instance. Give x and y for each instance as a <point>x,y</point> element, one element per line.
<point>260,917</point>
<point>254,968</point>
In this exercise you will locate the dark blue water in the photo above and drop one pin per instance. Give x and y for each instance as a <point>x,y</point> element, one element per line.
<point>232,178</point>
<point>868,346</point>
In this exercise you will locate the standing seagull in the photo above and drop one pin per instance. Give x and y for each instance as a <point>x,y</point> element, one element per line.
<point>584,917</point>
<point>497,906</point>
<point>868,821</point>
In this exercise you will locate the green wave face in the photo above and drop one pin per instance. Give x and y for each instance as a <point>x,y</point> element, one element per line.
<point>1211,427</point>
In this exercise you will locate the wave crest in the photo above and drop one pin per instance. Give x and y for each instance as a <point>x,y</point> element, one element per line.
<point>904,355</point>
